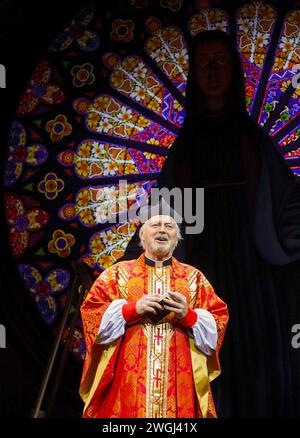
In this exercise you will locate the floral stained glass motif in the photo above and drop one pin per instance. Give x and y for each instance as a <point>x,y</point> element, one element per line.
<point>122,30</point>
<point>290,145</point>
<point>61,243</point>
<point>58,128</point>
<point>97,205</point>
<point>25,220</point>
<point>172,5</point>
<point>254,26</point>
<point>51,185</point>
<point>292,139</point>
<point>83,75</point>
<point>22,154</point>
<point>45,288</point>
<point>107,246</point>
<point>109,116</point>
<point>94,159</point>
<point>133,78</point>
<point>168,49</point>
<point>209,19</point>
<point>78,34</point>
<point>43,92</point>
<point>280,88</point>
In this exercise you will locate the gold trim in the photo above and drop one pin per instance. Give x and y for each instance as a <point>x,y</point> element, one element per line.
<point>192,282</point>
<point>123,277</point>
<point>158,340</point>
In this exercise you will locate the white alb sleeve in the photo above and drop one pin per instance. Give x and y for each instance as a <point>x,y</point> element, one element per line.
<point>205,332</point>
<point>112,324</point>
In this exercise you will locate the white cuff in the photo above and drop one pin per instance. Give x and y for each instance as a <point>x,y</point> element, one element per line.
<point>205,332</point>
<point>112,324</point>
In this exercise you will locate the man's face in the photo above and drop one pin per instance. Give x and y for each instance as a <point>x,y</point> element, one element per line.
<point>213,69</point>
<point>159,236</point>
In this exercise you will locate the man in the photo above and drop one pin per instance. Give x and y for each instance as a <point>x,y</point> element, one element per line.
<point>148,356</point>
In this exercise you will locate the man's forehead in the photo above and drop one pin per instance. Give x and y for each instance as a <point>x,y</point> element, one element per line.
<point>161,219</point>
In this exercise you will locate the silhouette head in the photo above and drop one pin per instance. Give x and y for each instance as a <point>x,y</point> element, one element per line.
<point>216,78</point>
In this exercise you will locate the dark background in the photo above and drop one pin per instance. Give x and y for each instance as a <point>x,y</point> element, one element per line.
<point>26,29</point>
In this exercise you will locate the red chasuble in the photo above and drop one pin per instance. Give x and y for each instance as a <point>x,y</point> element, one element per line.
<point>153,370</point>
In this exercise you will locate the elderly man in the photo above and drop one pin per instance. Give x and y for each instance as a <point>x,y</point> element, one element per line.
<point>153,328</point>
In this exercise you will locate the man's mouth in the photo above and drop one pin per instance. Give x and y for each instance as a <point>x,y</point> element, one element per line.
<point>161,239</point>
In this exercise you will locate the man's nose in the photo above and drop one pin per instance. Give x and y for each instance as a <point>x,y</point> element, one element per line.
<point>162,228</point>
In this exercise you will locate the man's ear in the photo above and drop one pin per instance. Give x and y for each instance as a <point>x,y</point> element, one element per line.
<point>141,237</point>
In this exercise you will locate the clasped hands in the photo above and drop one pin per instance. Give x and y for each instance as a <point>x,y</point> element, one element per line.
<point>152,305</point>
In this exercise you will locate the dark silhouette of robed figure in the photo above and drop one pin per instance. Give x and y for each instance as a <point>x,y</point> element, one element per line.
<point>250,247</point>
